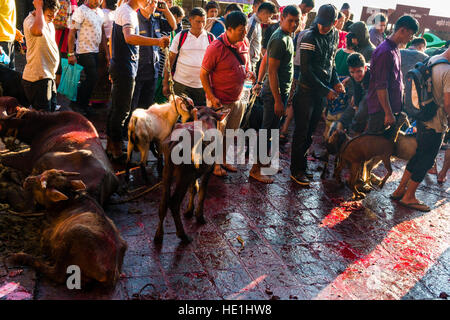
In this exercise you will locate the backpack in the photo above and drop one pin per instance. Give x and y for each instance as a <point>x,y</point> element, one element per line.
<point>419,102</point>
<point>183,36</point>
<point>251,30</point>
<point>61,20</point>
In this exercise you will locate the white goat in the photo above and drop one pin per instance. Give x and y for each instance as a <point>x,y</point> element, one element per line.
<point>154,125</point>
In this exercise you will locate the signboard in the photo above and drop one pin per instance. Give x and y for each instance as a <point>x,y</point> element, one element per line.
<point>368,14</point>
<point>417,12</point>
<point>437,23</point>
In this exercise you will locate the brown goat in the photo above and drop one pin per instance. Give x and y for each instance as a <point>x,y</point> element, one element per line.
<point>361,149</point>
<point>79,232</point>
<point>186,174</point>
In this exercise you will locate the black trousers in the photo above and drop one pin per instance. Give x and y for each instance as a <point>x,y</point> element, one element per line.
<point>428,145</point>
<point>308,107</point>
<point>144,94</point>
<point>41,94</point>
<point>89,61</point>
<point>121,95</point>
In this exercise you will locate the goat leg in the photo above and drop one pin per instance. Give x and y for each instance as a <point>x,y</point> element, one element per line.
<point>201,197</point>
<point>354,174</point>
<point>387,165</point>
<point>325,169</point>
<point>180,191</point>
<point>165,198</point>
<point>190,209</point>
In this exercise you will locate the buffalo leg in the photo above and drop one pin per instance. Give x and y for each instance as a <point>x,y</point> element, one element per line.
<point>190,209</point>
<point>165,198</point>
<point>182,184</point>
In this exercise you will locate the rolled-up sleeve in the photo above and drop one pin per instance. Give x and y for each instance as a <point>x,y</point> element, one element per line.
<point>382,70</point>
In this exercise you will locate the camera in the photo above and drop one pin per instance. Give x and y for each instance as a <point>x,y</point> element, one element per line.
<point>161,5</point>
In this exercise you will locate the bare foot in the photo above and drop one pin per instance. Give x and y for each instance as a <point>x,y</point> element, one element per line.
<point>433,170</point>
<point>219,171</point>
<point>256,174</point>
<point>229,167</point>
<point>442,177</point>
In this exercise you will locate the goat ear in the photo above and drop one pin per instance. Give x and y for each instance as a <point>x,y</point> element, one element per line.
<point>78,185</point>
<point>55,195</point>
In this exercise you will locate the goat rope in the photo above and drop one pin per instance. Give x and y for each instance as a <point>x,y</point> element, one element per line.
<point>169,72</point>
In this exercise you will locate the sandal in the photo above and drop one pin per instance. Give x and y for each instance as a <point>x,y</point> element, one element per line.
<point>220,172</point>
<point>396,198</point>
<point>420,206</point>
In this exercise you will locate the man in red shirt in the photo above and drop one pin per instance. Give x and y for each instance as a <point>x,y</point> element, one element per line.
<point>225,67</point>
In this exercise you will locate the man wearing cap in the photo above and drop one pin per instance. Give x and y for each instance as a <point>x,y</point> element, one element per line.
<point>345,9</point>
<point>318,79</point>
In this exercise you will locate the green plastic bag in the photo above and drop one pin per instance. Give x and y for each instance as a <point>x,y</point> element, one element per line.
<point>70,77</point>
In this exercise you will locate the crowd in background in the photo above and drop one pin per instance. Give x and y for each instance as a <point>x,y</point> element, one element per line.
<point>333,68</point>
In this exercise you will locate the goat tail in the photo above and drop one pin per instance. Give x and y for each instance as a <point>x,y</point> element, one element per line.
<point>39,265</point>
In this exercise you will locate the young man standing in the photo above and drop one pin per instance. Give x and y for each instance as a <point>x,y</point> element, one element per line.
<point>429,138</point>
<point>254,31</point>
<point>187,49</point>
<point>148,69</point>
<point>225,67</point>
<point>87,25</point>
<point>318,79</point>
<point>38,77</point>
<point>386,83</point>
<point>125,40</point>
<point>410,56</point>
<point>377,35</point>
<point>276,87</point>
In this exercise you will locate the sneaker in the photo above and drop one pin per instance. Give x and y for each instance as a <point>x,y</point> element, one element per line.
<point>301,179</point>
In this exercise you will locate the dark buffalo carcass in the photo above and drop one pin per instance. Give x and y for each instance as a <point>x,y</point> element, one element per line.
<point>62,140</point>
<point>78,232</point>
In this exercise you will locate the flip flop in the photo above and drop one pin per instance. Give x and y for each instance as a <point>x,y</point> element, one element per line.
<point>420,206</point>
<point>223,172</point>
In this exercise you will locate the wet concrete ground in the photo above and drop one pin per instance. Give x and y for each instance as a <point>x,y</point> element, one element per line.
<point>278,241</point>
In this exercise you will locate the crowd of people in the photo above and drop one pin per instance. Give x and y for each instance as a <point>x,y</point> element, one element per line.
<point>302,69</point>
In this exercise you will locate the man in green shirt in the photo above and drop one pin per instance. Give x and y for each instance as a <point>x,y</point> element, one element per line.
<point>275,90</point>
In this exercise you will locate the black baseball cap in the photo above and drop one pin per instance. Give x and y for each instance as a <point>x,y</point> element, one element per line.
<point>326,15</point>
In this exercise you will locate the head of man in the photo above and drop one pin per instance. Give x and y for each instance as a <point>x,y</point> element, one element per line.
<point>340,21</point>
<point>109,4</point>
<point>326,18</point>
<point>197,18</point>
<point>212,9</point>
<point>50,9</point>
<point>265,11</point>
<point>235,24</point>
<point>256,4</point>
<point>357,66</point>
<point>351,41</point>
<point>150,8</point>
<point>232,7</point>
<point>419,44</point>
<point>345,9</point>
<point>169,3</point>
<point>405,29</point>
<point>94,3</point>
<point>178,13</point>
<point>290,18</point>
<point>306,6</point>
<point>142,4</point>
<point>380,22</point>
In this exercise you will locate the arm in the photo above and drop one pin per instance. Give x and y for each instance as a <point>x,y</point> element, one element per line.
<point>383,66</point>
<point>104,45</point>
<point>137,40</point>
<point>38,25</point>
<point>169,17</point>
<point>383,98</point>
<point>204,77</point>
<point>274,65</point>
<point>71,46</point>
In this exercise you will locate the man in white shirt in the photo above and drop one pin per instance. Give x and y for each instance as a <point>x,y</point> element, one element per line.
<point>38,77</point>
<point>254,30</point>
<point>186,55</point>
<point>87,24</point>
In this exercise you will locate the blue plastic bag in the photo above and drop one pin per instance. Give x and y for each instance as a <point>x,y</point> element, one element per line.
<point>70,77</point>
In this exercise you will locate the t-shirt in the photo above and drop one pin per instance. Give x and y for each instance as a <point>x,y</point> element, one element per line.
<point>376,37</point>
<point>7,20</point>
<point>108,21</point>
<point>227,75</point>
<point>218,27</point>
<point>281,47</point>
<point>89,23</point>
<point>341,63</point>
<point>125,56</point>
<point>441,85</point>
<point>268,33</point>
<point>409,60</point>
<point>190,58</point>
<point>42,52</point>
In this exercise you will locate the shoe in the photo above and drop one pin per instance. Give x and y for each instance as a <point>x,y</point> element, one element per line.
<point>301,179</point>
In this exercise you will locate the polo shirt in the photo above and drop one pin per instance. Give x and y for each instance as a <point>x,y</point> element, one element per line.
<point>227,75</point>
<point>190,58</point>
<point>88,23</point>
<point>124,60</point>
<point>385,74</point>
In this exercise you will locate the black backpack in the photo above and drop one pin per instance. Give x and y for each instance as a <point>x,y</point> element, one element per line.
<point>419,102</point>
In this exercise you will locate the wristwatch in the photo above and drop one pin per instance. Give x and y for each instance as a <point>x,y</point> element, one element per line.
<point>70,54</point>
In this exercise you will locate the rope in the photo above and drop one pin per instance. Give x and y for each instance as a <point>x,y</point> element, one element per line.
<point>138,195</point>
<point>170,80</point>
